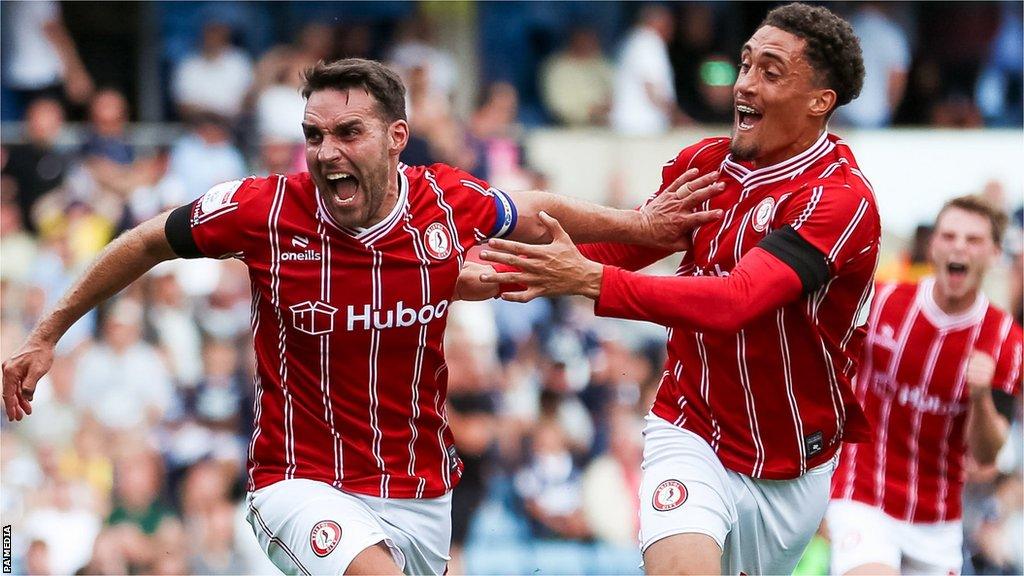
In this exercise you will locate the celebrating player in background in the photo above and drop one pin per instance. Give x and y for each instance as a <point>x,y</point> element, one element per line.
<point>765,314</point>
<point>352,266</point>
<point>939,368</point>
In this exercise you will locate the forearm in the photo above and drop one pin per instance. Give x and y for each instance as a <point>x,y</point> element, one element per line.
<point>583,221</point>
<point>122,262</point>
<point>704,303</point>
<point>987,430</point>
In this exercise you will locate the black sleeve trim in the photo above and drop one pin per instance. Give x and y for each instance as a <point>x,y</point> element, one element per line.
<point>1005,404</point>
<point>178,230</point>
<point>808,262</point>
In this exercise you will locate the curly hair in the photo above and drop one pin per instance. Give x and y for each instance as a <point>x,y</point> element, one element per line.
<point>833,50</point>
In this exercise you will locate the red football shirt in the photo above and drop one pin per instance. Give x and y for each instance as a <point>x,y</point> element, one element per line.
<point>348,324</point>
<point>912,386</point>
<point>775,398</point>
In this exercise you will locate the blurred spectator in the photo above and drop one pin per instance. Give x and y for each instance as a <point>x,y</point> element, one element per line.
<point>205,156</point>
<point>174,326</point>
<point>218,64</point>
<point>66,527</point>
<point>703,76</point>
<point>41,60</point>
<point>886,62</point>
<point>494,134</point>
<point>17,248</point>
<point>54,404</point>
<point>138,502</point>
<point>414,47</point>
<point>550,485</point>
<point>576,83</point>
<point>644,102</point>
<point>38,166</point>
<point>1000,88</point>
<point>155,188</point>
<point>52,273</point>
<point>122,380</point>
<point>615,521</point>
<point>214,543</point>
<point>279,104</point>
<point>106,136</point>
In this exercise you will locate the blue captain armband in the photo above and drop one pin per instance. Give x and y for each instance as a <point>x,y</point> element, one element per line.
<point>505,222</point>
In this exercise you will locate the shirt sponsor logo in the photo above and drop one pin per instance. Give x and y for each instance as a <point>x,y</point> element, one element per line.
<point>669,495</point>
<point>324,537</point>
<point>439,243</point>
<point>915,397</point>
<point>313,318</point>
<point>401,316</point>
<point>215,202</point>
<point>763,214</point>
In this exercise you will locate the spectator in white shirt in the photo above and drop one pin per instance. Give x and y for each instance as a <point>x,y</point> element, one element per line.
<point>645,96</point>
<point>214,80</point>
<point>886,61</point>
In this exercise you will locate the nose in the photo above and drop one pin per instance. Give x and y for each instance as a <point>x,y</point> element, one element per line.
<point>745,83</point>
<point>328,152</point>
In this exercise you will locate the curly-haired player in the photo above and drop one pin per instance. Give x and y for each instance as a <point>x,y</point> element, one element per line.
<point>765,314</point>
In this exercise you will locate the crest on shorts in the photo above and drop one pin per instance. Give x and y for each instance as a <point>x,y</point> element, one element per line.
<point>325,537</point>
<point>669,495</point>
<point>439,242</point>
<point>763,214</point>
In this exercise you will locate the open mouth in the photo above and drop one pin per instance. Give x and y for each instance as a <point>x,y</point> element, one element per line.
<point>747,116</point>
<point>344,185</point>
<point>956,270</point>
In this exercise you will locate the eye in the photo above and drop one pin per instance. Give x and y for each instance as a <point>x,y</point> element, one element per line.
<point>312,136</point>
<point>744,66</point>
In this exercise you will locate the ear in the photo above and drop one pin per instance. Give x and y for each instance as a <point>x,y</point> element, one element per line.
<point>398,136</point>
<point>822,102</point>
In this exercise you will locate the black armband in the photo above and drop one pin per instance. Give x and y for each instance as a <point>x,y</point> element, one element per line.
<point>178,230</point>
<point>1004,404</point>
<point>808,262</point>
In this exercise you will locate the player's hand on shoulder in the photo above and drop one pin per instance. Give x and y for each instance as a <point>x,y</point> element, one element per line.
<point>669,218</point>
<point>22,372</point>
<point>981,369</point>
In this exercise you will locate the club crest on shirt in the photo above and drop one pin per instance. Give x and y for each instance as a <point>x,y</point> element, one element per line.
<point>313,318</point>
<point>669,495</point>
<point>438,241</point>
<point>324,537</point>
<point>763,214</point>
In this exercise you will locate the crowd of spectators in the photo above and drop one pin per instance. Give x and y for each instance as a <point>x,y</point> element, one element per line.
<point>135,458</point>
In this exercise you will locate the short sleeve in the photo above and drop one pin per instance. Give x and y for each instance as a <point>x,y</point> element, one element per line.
<point>837,220</point>
<point>1008,366</point>
<point>490,211</point>
<point>214,224</point>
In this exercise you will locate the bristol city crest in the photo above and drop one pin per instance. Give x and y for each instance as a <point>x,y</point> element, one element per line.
<point>763,214</point>
<point>669,495</point>
<point>324,537</point>
<point>439,243</point>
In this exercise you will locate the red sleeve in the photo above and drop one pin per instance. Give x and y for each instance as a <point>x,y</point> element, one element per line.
<point>839,220</point>
<point>1008,365</point>
<point>759,283</point>
<point>477,206</point>
<point>218,223</point>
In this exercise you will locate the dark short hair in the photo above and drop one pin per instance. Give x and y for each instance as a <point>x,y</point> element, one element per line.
<point>979,205</point>
<point>378,80</point>
<point>833,50</point>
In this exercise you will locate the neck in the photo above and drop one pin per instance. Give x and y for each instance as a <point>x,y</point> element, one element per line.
<point>951,304</point>
<point>390,197</point>
<point>799,145</point>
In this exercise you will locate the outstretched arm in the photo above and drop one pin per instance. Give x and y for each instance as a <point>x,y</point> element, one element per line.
<point>663,223</point>
<point>123,261</point>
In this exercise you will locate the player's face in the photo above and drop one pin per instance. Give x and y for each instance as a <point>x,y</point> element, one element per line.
<point>352,155</point>
<point>779,110</point>
<point>962,250</point>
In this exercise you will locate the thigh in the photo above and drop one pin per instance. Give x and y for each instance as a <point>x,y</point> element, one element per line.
<point>683,489</point>
<point>860,536</point>
<point>421,528</point>
<point>309,527</point>
<point>775,520</point>
<point>931,548</point>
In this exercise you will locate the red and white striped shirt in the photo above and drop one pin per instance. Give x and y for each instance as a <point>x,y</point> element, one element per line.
<point>913,389</point>
<point>348,324</point>
<point>773,399</point>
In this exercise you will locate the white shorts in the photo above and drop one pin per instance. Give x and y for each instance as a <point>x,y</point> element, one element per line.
<point>762,526</point>
<point>863,534</point>
<point>310,527</point>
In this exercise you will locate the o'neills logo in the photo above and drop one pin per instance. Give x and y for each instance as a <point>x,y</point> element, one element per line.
<point>400,317</point>
<point>304,255</point>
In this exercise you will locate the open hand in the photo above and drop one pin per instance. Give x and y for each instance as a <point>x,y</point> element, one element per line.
<point>669,218</point>
<point>22,372</point>
<point>546,270</point>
